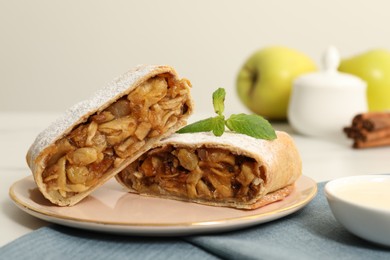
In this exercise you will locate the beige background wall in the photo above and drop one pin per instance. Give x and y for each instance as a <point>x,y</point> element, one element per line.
<point>55,53</point>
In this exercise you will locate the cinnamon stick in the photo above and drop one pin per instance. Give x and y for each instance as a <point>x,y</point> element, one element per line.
<point>375,135</point>
<point>353,132</point>
<point>364,135</point>
<point>372,121</point>
<point>374,143</point>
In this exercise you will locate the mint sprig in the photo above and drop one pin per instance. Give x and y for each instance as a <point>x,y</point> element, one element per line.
<point>252,125</point>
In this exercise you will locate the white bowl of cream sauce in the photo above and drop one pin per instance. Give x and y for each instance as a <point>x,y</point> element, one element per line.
<point>362,205</point>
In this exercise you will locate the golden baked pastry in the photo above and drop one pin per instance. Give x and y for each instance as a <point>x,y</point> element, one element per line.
<point>232,170</point>
<point>97,138</point>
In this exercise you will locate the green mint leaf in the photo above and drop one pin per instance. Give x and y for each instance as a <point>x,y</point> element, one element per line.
<point>252,125</point>
<point>218,101</point>
<point>219,125</point>
<point>214,124</point>
<point>205,125</point>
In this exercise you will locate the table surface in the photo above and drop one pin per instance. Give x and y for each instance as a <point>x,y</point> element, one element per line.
<point>323,159</point>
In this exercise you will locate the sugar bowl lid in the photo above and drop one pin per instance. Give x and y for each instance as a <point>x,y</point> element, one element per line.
<point>329,76</point>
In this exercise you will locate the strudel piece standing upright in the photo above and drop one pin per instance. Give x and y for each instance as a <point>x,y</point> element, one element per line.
<point>97,138</point>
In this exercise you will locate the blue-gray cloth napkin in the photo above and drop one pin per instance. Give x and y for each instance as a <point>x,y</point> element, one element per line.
<point>310,233</point>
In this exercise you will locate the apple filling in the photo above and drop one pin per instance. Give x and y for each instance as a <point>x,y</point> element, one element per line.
<point>81,158</point>
<point>203,174</point>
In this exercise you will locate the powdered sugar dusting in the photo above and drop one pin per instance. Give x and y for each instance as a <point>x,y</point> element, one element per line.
<point>79,112</point>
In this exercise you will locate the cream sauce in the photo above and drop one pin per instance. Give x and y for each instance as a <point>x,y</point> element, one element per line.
<point>372,194</point>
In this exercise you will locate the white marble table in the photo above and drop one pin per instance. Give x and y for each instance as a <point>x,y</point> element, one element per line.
<point>323,159</point>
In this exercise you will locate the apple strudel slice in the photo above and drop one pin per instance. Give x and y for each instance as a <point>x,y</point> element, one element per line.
<point>232,170</point>
<point>97,138</point>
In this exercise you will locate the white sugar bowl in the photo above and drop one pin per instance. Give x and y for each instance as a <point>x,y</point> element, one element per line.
<point>322,103</point>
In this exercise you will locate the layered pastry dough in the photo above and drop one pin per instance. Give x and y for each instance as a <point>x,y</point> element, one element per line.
<point>98,137</point>
<point>232,170</point>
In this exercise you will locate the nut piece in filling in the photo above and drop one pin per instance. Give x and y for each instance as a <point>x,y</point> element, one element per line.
<point>201,174</point>
<point>109,137</point>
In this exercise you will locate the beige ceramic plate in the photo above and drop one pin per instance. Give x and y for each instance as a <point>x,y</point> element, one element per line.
<point>112,209</point>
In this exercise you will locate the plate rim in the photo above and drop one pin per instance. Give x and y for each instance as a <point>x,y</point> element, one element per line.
<point>134,228</point>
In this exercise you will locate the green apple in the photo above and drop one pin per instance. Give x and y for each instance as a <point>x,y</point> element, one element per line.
<point>264,82</point>
<point>373,67</point>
